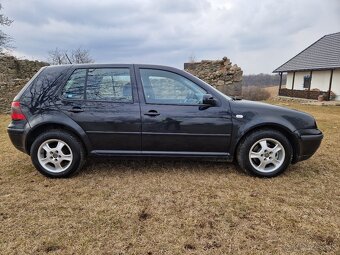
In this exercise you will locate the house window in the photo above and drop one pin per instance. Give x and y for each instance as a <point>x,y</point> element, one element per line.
<point>306,81</point>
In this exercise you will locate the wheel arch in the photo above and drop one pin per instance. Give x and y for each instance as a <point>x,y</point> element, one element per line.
<point>273,126</point>
<point>41,125</point>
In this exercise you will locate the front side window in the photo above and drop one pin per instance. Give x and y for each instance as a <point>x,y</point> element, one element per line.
<point>74,88</point>
<point>109,84</point>
<point>163,87</point>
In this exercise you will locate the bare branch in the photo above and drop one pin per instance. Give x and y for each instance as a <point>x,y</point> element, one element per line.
<point>57,57</point>
<point>4,38</point>
<point>81,56</point>
<point>61,56</point>
<point>192,58</point>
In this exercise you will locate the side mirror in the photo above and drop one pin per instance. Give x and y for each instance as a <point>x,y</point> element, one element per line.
<point>209,100</point>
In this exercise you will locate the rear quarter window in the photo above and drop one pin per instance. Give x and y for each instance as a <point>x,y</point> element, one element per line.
<point>43,89</point>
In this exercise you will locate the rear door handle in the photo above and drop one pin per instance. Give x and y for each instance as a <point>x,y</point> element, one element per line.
<point>75,109</point>
<point>152,113</point>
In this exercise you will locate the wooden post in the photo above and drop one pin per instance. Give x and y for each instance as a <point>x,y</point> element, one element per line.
<point>280,82</point>
<point>293,80</point>
<point>310,83</point>
<point>330,85</point>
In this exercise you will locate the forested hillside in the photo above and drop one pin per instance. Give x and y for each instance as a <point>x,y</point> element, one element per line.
<point>262,80</point>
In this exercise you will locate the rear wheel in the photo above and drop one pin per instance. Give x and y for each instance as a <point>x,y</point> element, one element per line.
<point>265,153</point>
<point>57,153</point>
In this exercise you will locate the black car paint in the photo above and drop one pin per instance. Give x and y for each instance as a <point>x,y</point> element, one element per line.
<point>290,122</point>
<point>181,129</point>
<point>142,129</point>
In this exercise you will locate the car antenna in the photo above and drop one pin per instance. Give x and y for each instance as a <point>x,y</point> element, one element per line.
<point>68,58</point>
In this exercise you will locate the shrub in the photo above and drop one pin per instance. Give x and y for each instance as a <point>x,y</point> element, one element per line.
<point>255,93</point>
<point>333,95</point>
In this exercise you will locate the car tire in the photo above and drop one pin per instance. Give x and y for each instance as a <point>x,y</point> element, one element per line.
<point>57,154</point>
<point>264,153</point>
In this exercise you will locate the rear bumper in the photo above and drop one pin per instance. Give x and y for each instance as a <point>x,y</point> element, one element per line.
<point>17,138</point>
<point>309,141</point>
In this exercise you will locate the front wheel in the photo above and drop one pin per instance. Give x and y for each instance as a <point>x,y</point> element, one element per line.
<point>57,153</point>
<point>264,153</point>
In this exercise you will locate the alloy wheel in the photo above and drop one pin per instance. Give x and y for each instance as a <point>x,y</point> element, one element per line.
<point>55,155</point>
<point>267,155</point>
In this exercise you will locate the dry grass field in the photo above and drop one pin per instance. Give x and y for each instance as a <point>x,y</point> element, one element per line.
<point>173,207</point>
<point>273,90</point>
<point>257,93</point>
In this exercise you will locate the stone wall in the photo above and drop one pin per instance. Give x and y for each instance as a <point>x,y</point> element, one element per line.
<point>307,94</point>
<point>219,73</point>
<point>14,74</point>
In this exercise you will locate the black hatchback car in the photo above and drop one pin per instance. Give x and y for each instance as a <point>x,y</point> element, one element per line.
<point>66,113</point>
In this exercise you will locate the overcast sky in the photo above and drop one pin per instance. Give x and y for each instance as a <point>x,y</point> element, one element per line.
<point>256,35</point>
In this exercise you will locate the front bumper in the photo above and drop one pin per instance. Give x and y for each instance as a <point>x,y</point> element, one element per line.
<point>309,141</point>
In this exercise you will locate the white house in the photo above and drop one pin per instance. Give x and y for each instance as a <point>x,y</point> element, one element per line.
<point>314,71</point>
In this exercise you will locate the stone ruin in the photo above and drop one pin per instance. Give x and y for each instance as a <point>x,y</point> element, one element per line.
<point>221,74</point>
<point>14,74</point>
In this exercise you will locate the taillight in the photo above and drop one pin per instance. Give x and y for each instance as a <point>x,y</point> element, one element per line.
<point>16,113</point>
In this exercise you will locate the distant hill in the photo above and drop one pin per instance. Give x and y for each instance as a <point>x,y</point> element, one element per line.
<point>262,80</point>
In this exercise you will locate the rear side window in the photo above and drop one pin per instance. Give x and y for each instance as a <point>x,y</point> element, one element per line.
<point>109,84</point>
<point>75,86</point>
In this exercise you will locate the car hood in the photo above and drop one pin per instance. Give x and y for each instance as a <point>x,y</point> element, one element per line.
<point>263,112</point>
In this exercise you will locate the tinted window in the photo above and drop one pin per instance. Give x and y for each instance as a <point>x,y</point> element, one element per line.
<point>109,84</point>
<point>163,87</point>
<point>74,88</point>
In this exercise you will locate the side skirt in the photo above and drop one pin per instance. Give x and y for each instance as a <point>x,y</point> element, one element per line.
<point>162,154</point>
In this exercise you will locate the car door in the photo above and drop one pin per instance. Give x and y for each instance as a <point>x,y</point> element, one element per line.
<point>104,103</point>
<point>174,120</point>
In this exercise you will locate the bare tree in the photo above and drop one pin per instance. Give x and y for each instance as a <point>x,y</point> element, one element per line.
<point>81,56</point>
<point>57,57</point>
<point>192,58</point>
<point>77,56</point>
<point>4,38</point>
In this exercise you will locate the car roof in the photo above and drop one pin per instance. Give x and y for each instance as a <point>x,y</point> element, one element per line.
<point>94,65</point>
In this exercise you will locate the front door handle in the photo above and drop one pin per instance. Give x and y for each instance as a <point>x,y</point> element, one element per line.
<point>152,113</point>
<point>75,109</point>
